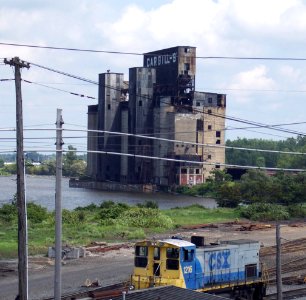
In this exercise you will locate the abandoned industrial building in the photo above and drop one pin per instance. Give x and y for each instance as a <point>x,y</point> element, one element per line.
<point>158,101</point>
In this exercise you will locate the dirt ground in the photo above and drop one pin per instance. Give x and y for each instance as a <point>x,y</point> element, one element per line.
<point>117,263</point>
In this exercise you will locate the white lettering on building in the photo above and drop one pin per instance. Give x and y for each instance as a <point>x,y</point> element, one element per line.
<point>159,60</point>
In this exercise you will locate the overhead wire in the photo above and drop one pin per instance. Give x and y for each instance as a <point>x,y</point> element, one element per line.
<point>114,133</point>
<point>140,54</point>
<point>58,89</point>
<point>227,117</point>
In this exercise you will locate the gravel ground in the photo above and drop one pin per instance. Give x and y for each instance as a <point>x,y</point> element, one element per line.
<point>117,265</point>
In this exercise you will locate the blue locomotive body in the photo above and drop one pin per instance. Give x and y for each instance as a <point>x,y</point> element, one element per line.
<point>230,265</point>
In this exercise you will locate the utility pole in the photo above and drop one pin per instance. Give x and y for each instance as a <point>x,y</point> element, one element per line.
<point>278,264</point>
<point>21,200</point>
<point>58,207</point>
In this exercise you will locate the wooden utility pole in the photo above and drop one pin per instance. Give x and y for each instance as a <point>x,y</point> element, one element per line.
<point>278,264</point>
<point>21,200</point>
<point>58,207</point>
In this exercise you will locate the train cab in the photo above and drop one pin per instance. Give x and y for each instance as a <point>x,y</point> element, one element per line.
<point>166,262</point>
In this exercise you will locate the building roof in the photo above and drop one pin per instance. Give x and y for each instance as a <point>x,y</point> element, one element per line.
<point>167,293</point>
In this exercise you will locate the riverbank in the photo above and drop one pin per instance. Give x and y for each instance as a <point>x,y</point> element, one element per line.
<point>109,222</point>
<point>41,190</point>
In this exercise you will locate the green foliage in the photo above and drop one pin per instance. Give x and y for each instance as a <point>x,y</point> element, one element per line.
<point>262,159</point>
<point>73,166</point>
<point>91,207</point>
<point>145,218</point>
<point>229,195</point>
<point>297,211</point>
<point>8,213</point>
<point>1,163</point>
<point>148,204</point>
<point>264,212</point>
<point>36,213</point>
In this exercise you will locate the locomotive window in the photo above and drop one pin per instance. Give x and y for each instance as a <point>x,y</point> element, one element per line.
<point>172,253</point>
<point>141,259</point>
<point>251,271</point>
<point>188,255</point>
<point>172,264</point>
<point>141,262</point>
<point>156,253</point>
<point>141,251</point>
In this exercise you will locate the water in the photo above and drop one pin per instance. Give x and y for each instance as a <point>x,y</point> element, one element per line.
<point>41,190</point>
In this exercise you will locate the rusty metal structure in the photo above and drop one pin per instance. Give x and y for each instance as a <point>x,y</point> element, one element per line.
<point>159,100</point>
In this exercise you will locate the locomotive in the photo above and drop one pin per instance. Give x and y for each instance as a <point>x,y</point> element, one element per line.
<point>229,266</point>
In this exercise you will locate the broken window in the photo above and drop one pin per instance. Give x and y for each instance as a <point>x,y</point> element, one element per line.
<point>218,142</point>
<point>218,133</point>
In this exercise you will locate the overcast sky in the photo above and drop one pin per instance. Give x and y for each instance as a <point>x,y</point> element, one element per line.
<point>264,91</point>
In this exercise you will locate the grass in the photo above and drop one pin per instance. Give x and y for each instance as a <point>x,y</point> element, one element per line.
<point>197,214</point>
<point>92,228</point>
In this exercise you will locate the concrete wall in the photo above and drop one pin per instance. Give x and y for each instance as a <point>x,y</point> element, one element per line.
<point>92,141</point>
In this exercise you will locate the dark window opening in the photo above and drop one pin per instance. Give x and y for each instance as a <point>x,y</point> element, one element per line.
<point>139,142</point>
<point>188,254</point>
<point>197,171</point>
<point>141,262</point>
<point>141,259</point>
<point>172,253</point>
<point>183,171</point>
<point>172,264</point>
<point>187,50</point>
<point>209,111</point>
<point>218,142</point>
<point>251,271</point>
<point>177,145</point>
<point>198,103</point>
<point>209,156</point>
<point>200,125</point>
<point>209,100</point>
<point>140,102</point>
<point>209,127</point>
<point>107,168</point>
<point>218,133</point>
<point>108,106</point>
<point>217,166</point>
<point>156,269</point>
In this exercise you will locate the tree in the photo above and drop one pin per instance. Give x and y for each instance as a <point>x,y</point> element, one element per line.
<point>72,165</point>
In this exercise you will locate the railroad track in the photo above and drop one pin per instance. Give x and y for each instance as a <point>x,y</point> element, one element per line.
<point>288,295</point>
<point>288,247</point>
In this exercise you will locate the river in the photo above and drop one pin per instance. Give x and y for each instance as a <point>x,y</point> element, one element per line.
<point>41,190</point>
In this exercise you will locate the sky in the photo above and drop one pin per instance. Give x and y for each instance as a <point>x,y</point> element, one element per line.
<point>265,91</point>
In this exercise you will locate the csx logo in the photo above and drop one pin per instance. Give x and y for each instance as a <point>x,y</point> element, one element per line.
<point>187,269</point>
<point>219,260</point>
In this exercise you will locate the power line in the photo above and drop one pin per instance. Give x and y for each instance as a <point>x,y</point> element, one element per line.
<point>194,109</point>
<point>61,90</point>
<point>141,54</point>
<point>168,159</point>
<point>114,133</point>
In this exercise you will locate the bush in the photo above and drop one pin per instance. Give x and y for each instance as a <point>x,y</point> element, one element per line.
<point>110,210</point>
<point>148,204</point>
<point>8,213</point>
<point>145,218</point>
<point>297,211</point>
<point>36,213</point>
<point>264,212</point>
